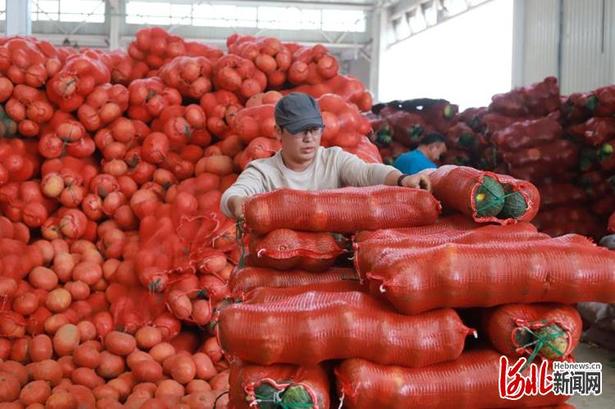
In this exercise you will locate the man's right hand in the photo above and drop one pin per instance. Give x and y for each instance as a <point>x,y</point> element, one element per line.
<point>235,204</point>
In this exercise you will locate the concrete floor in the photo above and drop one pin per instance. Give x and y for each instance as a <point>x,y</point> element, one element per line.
<point>591,353</point>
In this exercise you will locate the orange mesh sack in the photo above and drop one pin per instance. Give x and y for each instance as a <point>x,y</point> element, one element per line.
<point>485,196</point>
<point>456,222</point>
<point>267,295</point>
<point>376,251</point>
<point>316,326</point>
<point>328,210</point>
<point>470,382</point>
<point>249,278</point>
<point>284,386</point>
<point>285,249</point>
<point>551,331</point>
<point>566,269</point>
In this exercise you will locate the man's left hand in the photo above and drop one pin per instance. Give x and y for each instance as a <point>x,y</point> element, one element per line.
<point>419,181</point>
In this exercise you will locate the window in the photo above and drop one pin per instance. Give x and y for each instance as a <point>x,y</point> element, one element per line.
<point>224,16</point>
<point>199,13</point>
<point>2,10</point>
<point>45,10</point>
<point>146,12</point>
<point>289,18</point>
<point>343,20</point>
<point>91,11</point>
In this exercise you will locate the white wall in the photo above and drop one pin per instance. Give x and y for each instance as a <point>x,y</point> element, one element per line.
<point>587,43</point>
<point>465,60</point>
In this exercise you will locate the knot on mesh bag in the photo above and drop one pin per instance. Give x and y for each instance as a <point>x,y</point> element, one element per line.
<point>551,340</point>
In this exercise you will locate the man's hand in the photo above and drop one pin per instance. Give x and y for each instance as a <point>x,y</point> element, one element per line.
<point>235,204</point>
<point>418,181</point>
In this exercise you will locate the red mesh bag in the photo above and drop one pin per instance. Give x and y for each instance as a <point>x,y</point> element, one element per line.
<point>371,253</point>
<point>29,108</point>
<point>554,194</point>
<point>561,153</point>
<point>484,196</point>
<point>105,104</point>
<point>268,54</point>
<point>268,386</point>
<point>220,108</point>
<point>284,249</point>
<point>351,89</point>
<point>238,75</point>
<point>124,69</point>
<point>263,295</point>
<point>149,96</point>
<point>17,164</point>
<point>253,277</point>
<point>26,60</point>
<point>253,122</point>
<point>595,131</point>
<point>612,223</point>
<point>135,307</point>
<point>315,327</point>
<point>469,382</point>
<point>191,76</point>
<point>551,331</point>
<point>344,124</point>
<point>366,150</point>
<point>604,102</point>
<point>311,65</point>
<point>327,210</point>
<point>258,148</point>
<point>565,269</point>
<point>442,225</point>
<point>528,134</point>
<point>78,77</point>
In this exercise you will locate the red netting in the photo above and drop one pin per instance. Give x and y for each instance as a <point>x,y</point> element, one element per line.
<point>375,252</point>
<point>515,328</point>
<point>565,269</point>
<point>327,210</point>
<point>528,134</point>
<point>468,382</point>
<point>443,224</point>
<point>612,223</point>
<point>245,380</point>
<point>253,277</point>
<point>315,327</point>
<point>267,294</point>
<point>285,249</point>
<point>457,187</point>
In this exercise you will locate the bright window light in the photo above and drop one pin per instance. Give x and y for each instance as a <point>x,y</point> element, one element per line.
<point>45,10</point>
<point>343,20</point>
<point>91,11</point>
<point>150,13</point>
<point>181,14</point>
<point>224,16</point>
<point>288,18</point>
<point>484,33</point>
<point>417,22</point>
<point>2,10</point>
<point>402,29</point>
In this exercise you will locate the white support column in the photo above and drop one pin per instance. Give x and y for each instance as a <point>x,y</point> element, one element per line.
<point>378,46</point>
<point>518,46</point>
<point>18,19</point>
<point>115,11</point>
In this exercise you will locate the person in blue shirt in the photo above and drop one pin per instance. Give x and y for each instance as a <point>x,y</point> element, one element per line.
<point>431,147</point>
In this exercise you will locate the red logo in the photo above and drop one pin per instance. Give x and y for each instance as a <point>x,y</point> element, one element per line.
<point>515,381</point>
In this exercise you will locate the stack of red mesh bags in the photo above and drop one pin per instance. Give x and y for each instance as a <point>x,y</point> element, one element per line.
<point>300,306</point>
<point>562,144</point>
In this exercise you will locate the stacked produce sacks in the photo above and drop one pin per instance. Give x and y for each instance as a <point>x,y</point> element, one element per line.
<point>561,144</point>
<point>301,309</point>
<point>114,256</point>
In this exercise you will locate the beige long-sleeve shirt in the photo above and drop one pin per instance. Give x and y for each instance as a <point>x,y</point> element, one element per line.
<point>332,168</point>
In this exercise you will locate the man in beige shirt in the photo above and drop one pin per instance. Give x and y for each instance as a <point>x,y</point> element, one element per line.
<point>303,164</point>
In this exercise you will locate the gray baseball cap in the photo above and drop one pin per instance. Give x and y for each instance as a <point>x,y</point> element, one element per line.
<point>297,112</point>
